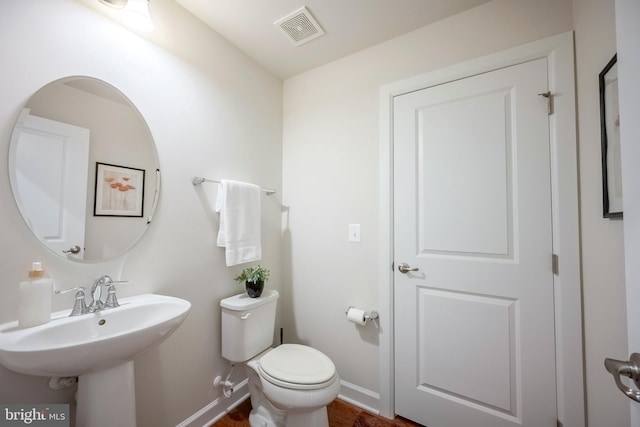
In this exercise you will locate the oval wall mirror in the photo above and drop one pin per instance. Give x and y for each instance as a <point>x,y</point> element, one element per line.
<point>84,169</point>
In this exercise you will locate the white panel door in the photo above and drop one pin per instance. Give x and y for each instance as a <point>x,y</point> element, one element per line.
<point>50,175</point>
<point>472,213</point>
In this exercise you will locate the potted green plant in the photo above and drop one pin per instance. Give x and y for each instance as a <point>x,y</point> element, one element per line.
<point>254,278</point>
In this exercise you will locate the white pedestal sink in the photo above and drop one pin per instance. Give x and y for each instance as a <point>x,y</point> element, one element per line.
<point>98,348</point>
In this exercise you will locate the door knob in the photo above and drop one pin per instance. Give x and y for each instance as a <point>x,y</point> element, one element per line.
<point>405,268</point>
<point>74,250</point>
<point>629,368</point>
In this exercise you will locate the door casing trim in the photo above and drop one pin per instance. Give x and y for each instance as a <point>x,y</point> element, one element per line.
<point>559,52</point>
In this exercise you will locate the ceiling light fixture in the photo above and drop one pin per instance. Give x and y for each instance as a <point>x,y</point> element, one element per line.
<point>134,13</point>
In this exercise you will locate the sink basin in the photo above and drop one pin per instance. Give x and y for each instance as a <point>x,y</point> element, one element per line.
<point>74,346</point>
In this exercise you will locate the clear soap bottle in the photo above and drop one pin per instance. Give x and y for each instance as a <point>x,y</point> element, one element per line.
<point>34,306</point>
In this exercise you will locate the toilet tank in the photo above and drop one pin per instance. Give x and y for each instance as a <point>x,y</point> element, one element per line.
<point>247,325</point>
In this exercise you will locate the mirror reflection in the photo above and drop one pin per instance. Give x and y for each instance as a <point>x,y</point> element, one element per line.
<point>84,169</point>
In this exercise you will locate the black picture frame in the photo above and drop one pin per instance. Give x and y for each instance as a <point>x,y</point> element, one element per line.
<point>119,191</point>
<point>610,141</point>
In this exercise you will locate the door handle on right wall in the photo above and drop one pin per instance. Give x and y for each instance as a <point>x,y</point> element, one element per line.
<point>629,368</point>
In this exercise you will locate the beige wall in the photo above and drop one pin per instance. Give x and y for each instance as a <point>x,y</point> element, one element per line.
<point>628,43</point>
<point>213,112</point>
<point>330,179</point>
<point>602,239</point>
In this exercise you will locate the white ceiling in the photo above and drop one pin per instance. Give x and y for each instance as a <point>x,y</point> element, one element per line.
<point>350,26</point>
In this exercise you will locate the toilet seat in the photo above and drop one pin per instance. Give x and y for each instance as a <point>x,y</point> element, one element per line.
<point>297,367</point>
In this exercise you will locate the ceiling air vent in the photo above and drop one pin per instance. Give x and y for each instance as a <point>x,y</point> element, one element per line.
<point>300,27</point>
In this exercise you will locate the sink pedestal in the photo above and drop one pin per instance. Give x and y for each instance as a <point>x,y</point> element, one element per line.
<point>107,398</point>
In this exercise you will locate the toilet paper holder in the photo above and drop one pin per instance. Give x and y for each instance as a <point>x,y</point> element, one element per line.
<point>368,315</point>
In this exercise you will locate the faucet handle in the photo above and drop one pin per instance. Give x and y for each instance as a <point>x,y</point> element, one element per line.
<point>79,306</point>
<point>112,299</point>
<point>64,291</point>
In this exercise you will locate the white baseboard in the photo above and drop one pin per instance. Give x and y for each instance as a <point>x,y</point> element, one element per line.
<point>351,393</point>
<point>360,397</point>
<point>218,408</point>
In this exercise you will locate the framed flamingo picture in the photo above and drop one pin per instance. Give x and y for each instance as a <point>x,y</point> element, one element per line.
<point>119,191</point>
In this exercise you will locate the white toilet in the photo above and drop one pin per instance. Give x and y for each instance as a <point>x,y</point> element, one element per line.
<point>290,385</point>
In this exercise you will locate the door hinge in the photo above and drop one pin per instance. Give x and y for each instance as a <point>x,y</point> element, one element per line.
<point>549,97</point>
<point>555,264</point>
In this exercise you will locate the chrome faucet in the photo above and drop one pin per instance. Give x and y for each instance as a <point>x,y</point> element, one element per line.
<point>96,293</point>
<point>111,301</point>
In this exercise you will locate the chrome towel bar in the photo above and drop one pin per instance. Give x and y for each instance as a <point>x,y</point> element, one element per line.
<point>197,180</point>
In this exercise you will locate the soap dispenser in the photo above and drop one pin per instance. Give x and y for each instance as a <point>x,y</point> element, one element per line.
<point>34,306</point>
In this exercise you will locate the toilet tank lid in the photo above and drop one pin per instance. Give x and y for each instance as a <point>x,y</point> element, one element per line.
<point>243,301</point>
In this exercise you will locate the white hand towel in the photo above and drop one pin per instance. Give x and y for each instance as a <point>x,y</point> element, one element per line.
<point>239,206</point>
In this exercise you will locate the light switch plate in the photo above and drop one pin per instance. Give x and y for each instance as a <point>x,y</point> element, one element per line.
<point>354,233</point>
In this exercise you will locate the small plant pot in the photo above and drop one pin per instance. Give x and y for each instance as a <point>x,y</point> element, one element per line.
<point>254,289</point>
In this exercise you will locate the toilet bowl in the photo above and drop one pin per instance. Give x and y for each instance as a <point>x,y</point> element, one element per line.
<point>297,381</point>
<point>289,385</point>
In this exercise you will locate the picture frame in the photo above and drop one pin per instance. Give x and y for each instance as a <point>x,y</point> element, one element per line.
<point>610,141</point>
<point>119,191</point>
